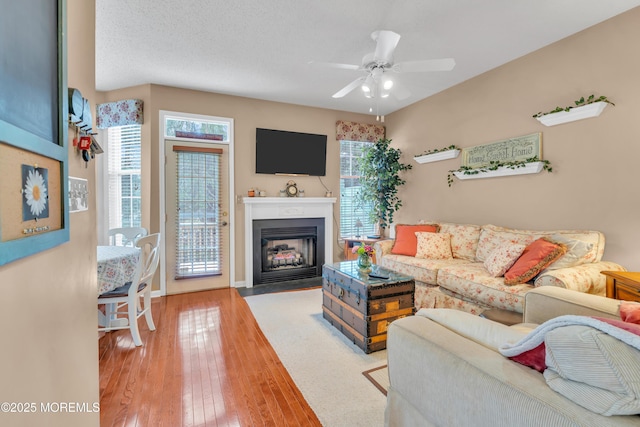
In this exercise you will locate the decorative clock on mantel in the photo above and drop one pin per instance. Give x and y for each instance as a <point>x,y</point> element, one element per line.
<point>292,189</point>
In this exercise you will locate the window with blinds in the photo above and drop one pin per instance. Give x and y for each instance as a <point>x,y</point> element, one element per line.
<point>123,165</point>
<point>351,211</point>
<point>198,216</point>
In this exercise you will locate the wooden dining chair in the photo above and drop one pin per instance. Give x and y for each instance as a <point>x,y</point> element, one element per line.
<point>130,294</point>
<point>126,236</point>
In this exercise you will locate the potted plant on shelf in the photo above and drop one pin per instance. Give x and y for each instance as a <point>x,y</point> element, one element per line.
<point>583,109</point>
<point>497,168</point>
<point>437,154</point>
<point>380,169</point>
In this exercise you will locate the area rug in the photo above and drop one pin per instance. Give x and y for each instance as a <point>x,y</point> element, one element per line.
<point>379,377</point>
<point>324,364</point>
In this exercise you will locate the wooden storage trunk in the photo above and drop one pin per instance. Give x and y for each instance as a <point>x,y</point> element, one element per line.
<point>361,307</point>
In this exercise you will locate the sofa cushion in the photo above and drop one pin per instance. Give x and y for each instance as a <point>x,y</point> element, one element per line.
<point>434,246</point>
<point>422,270</point>
<point>596,238</point>
<point>406,242</point>
<point>593,369</point>
<point>472,281</point>
<point>492,235</point>
<point>502,258</point>
<point>464,239</point>
<point>535,258</point>
<point>577,252</point>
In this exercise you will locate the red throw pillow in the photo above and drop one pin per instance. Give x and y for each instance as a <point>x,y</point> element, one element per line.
<point>535,258</point>
<point>406,242</point>
<point>534,358</point>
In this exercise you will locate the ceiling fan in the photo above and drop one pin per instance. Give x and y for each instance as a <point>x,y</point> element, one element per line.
<point>375,83</point>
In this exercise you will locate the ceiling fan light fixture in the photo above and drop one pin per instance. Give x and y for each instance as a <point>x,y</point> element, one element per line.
<point>377,83</point>
<point>368,83</point>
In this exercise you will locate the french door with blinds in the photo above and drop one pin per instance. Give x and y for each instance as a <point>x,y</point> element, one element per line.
<point>197,241</point>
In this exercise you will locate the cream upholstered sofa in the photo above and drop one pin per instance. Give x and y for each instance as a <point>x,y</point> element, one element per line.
<point>462,281</point>
<point>445,369</point>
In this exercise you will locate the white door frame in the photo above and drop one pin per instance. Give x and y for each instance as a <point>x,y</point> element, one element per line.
<point>231,192</point>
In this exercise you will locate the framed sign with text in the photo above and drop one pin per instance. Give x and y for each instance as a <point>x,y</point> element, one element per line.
<point>508,150</point>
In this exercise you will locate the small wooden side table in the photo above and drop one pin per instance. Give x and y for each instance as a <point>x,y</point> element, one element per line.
<point>350,242</point>
<point>624,285</point>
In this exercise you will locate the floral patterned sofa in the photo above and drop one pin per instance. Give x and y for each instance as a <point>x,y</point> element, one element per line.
<point>461,279</point>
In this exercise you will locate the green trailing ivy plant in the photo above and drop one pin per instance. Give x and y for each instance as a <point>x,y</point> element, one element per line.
<point>579,103</point>
<point>437,150</point>
<point>380,169</point>
<point>494,165</point>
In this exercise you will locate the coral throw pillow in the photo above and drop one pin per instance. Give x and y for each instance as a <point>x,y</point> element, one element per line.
<point>406,242</point>
<point>535,258</point>
<point>502,258</point>
<point>434,246</point>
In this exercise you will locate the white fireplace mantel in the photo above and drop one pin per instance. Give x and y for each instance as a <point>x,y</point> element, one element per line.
<point>283,208</point>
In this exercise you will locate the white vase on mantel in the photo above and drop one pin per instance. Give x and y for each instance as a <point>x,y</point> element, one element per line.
<point>576,113</point>
<point>436,157</point>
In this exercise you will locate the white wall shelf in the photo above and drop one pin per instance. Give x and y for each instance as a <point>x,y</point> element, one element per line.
<point>436,157</point>
<point>577,113</point>
<point>529,168</point>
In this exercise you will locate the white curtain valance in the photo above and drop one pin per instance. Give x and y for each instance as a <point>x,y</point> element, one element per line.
<point>352,131</point>
<point>119,113</point>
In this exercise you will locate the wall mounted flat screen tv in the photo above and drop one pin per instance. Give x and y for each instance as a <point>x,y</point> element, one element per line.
<point>290,153</point>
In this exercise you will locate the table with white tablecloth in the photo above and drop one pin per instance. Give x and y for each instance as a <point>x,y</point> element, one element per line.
<point>116,266</point>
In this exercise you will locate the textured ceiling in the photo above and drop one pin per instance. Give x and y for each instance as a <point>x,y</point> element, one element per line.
<point>263,49</point>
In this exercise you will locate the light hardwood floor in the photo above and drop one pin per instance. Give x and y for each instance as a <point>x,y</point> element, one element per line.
<point>207,364</point>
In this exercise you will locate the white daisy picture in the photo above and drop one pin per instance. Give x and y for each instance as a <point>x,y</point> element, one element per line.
<point>35,203</point>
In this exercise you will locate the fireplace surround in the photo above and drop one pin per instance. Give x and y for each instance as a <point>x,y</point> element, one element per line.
<point>318,209</point>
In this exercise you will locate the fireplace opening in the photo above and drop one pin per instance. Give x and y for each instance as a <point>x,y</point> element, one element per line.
<point>287,249</point>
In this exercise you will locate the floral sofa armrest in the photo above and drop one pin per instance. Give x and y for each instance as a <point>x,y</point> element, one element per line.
<point>582,278</point>
<point>383,247</point>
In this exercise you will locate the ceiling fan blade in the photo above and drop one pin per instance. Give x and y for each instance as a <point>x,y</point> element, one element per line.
<point>348,88</point>
<point>445,64</point>
<point>386,42</point>
<point>335,65</point>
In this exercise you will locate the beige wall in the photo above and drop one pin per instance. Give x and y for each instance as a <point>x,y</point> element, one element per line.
<point>247,114</point>
<point>594,184</point>
<point>593,160</point>
<point>48,304</point>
